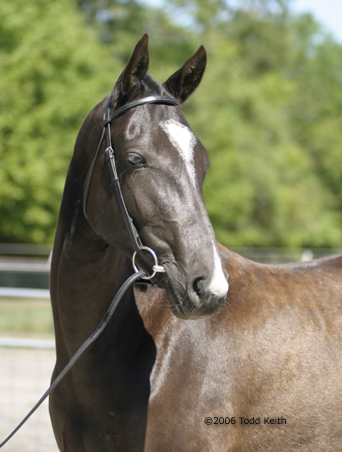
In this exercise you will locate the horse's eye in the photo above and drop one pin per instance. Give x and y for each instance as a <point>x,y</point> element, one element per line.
<point>136,160</point>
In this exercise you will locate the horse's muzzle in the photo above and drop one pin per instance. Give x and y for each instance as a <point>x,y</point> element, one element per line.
<point>196,299</point>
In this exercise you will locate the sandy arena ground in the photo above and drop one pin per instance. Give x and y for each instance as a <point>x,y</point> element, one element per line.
<point>24,377</point>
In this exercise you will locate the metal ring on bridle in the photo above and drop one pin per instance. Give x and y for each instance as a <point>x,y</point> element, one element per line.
<point>156,268</point>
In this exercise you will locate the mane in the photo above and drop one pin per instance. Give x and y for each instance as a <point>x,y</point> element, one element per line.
<point>153,86</point>
<point>85,146</point>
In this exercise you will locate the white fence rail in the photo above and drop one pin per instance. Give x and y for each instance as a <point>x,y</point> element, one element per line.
<point>17,292</point>
<point>24,269</point>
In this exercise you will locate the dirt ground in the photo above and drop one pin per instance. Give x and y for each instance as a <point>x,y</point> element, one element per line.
<point>24,377</point>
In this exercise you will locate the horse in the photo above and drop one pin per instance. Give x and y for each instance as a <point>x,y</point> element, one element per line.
<point>211,352</point>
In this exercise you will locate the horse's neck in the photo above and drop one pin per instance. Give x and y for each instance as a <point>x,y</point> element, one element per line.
<point>85,272</point>
<point>82,258</point>
<point>76,246</point>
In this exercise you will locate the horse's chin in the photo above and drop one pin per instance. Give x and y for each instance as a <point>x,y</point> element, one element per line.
<point>193,306</point>
<point>183,308</point>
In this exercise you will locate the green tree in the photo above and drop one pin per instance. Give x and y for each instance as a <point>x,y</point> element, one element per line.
<point>268,110</point>
<point>274,145</point>
<point>53,72</point>
<point>120,24</point>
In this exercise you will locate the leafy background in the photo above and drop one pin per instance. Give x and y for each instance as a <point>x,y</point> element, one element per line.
<point>269,109</point>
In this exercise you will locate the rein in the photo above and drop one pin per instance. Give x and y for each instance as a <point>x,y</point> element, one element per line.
<point>134,236</point>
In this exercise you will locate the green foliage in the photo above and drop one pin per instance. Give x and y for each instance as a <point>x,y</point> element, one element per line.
<point>274,132</point>
<point>269,109</point>
<point>54,70</point>
<point>264,188</point>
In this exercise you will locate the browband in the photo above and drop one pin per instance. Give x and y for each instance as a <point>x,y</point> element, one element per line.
<point>166,100</point>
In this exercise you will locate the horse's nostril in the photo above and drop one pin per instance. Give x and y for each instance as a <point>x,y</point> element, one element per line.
<point>197,287</point>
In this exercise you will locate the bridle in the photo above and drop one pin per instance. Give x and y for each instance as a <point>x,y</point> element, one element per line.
<point>135,238</point>
<point>110,158</point>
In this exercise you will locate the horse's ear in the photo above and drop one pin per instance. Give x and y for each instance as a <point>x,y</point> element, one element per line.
<point>135,70</point>
<point>183,82</point>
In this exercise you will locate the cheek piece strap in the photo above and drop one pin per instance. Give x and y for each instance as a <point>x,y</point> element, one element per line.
<point>110,159</point>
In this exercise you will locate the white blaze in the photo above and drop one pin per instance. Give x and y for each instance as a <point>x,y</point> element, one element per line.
<point>184,141</point>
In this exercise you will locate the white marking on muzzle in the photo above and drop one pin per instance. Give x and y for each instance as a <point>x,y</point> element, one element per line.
<point>218,285</point>
<point>184,140</point>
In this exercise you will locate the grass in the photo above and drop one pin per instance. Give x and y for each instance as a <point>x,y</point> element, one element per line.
<point>26,318</point>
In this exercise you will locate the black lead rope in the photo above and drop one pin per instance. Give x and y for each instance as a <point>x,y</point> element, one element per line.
<point>126,285</point>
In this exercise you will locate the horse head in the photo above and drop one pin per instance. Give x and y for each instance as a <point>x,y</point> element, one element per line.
<point>161,165</point>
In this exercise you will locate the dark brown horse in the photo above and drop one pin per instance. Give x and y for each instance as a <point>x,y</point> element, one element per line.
<point>259,369</point>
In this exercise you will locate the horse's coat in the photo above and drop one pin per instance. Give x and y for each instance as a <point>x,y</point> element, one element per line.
<point>270,350</point>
